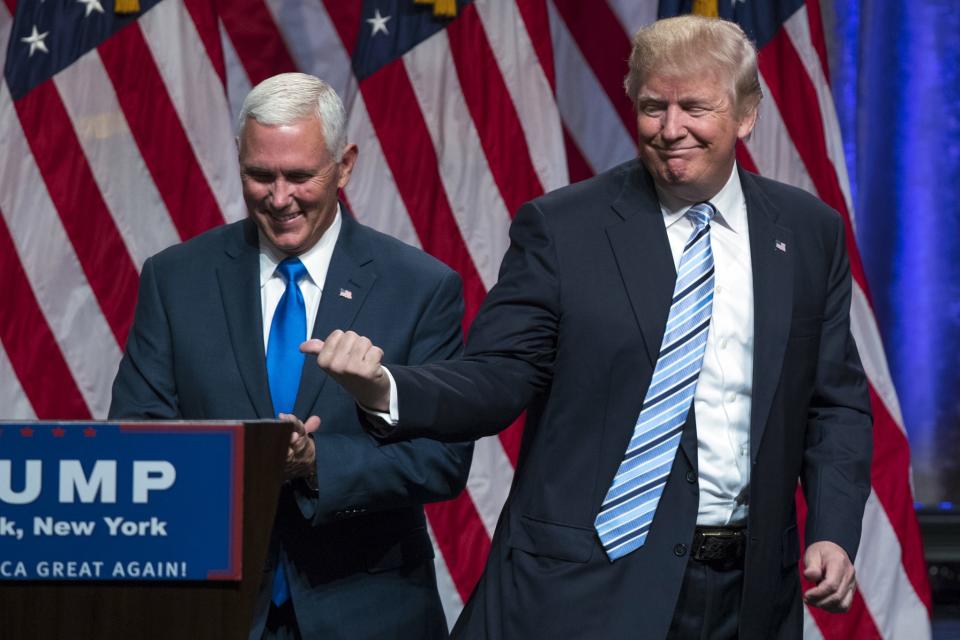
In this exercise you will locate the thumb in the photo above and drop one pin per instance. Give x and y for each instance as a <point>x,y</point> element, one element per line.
<point>812,565</point>
<point>311,346</point>
<point>312,424</point>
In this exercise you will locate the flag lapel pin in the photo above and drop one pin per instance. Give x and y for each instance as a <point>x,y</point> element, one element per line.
<point>346,293</point>
<point>781,246</point>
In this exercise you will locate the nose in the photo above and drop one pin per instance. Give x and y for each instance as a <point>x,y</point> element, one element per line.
<point>280,194</point>
<point>673,127</point>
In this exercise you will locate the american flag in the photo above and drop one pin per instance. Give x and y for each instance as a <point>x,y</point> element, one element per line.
<point>117,138</point>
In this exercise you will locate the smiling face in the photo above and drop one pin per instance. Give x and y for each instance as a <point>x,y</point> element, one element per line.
<point>688,128</point>
<point>290,181</point>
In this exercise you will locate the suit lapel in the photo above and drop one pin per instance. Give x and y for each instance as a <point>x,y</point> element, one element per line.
<point>642,251</point>
<point>349,280</point>
<point>239,279</point>
<point>771,247</point>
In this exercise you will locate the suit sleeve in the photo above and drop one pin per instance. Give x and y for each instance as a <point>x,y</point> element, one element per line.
<point>357,475</point>
<point>839,442</point>
<point>144,387</point>
<point>510,353</point>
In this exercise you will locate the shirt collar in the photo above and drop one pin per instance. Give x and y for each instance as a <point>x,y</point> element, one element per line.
<point>728,202</point>
<point>316,259</point>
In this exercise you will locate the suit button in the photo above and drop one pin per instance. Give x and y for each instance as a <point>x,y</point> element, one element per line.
<point>680,550</point>
<point>691,477</point>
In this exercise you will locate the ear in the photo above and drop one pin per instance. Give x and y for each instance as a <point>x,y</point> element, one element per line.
<point>746,124</point>
<point>238,139</point>
<point>346,164</point>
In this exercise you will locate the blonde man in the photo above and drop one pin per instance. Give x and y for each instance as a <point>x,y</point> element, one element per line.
<point>678,331</point>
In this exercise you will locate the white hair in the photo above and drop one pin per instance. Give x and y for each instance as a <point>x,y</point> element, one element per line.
<point>285,98</point>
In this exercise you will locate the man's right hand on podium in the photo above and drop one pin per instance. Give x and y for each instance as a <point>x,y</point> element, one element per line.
<point>302,453</point>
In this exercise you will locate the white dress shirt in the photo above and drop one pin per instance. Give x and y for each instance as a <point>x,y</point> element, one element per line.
<point>723,397</point>
<point>272,285</point>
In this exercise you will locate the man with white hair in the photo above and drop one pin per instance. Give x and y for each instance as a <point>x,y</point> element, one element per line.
<point>678,331</point>
<point>218,323</point>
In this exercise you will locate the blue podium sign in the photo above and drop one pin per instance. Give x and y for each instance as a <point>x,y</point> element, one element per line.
<point>131,501</point>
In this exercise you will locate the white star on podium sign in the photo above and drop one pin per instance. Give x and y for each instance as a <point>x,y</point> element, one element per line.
<point>91,5</point>
<point>378,23</point>
<point>35,40</point>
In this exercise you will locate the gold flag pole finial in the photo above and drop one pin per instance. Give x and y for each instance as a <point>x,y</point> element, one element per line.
<point>126,7</point>
<point>706,8</point>
<point>441,8</point>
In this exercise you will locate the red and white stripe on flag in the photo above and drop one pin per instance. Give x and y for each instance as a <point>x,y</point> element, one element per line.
<point>130,149</point>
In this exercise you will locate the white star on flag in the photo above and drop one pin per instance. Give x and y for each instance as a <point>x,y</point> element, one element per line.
<point>378,23</point>
<point>35,40</point>
<point>91,5</point>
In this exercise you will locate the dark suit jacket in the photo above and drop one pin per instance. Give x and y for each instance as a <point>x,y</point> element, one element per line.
<point>572,331</point>
<point>358,557</point>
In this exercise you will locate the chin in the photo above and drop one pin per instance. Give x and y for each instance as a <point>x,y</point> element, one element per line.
<point>678,171</point>
<point>288,246</point>
<point>675,178</point>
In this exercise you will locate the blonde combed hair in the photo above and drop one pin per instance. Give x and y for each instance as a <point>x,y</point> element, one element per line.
<point>689,43</point>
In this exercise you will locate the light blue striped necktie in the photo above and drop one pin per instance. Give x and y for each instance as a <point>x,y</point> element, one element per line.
<point>284,364</point>
<point>627,511</point>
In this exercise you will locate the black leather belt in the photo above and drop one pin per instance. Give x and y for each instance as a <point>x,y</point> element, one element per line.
<point>719,546</point>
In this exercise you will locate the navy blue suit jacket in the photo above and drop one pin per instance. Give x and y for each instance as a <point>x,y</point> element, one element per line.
<point>358,557</point>
<point>571,332</point>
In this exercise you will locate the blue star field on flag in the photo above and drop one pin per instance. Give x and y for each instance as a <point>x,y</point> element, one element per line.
<point>759,19</point>
<point>50,35</point>
<point>390,28</point>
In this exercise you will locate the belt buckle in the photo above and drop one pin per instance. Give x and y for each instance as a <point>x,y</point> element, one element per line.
<point>717,545</point>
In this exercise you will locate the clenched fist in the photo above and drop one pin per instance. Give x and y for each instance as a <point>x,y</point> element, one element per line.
<point>354,362</point>
<point>828,566</point>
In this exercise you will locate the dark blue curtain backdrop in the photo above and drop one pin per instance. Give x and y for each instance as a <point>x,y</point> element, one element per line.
<point>896,79</point>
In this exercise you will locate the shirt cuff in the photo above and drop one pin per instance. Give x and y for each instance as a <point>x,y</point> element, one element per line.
<point>391,418</point>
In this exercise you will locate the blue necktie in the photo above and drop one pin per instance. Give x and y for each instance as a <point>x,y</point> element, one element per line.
<point>627,511</point>
<point>284,363</point>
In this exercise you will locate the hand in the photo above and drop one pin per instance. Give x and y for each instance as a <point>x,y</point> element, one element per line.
<point>302,454</point>
<point>354,363</point>
<point>828,566</point>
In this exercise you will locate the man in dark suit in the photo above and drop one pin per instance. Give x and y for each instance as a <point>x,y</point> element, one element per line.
<point>678,331</point>
<point>355,560</point>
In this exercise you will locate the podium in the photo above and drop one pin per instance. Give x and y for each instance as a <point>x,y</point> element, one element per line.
<point>106,607</point>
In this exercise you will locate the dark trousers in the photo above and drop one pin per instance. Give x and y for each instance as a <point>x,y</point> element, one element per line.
<point>709,603</point>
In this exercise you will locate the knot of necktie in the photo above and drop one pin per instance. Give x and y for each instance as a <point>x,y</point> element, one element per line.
<point>701,214</point>
<point>292,270</point>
